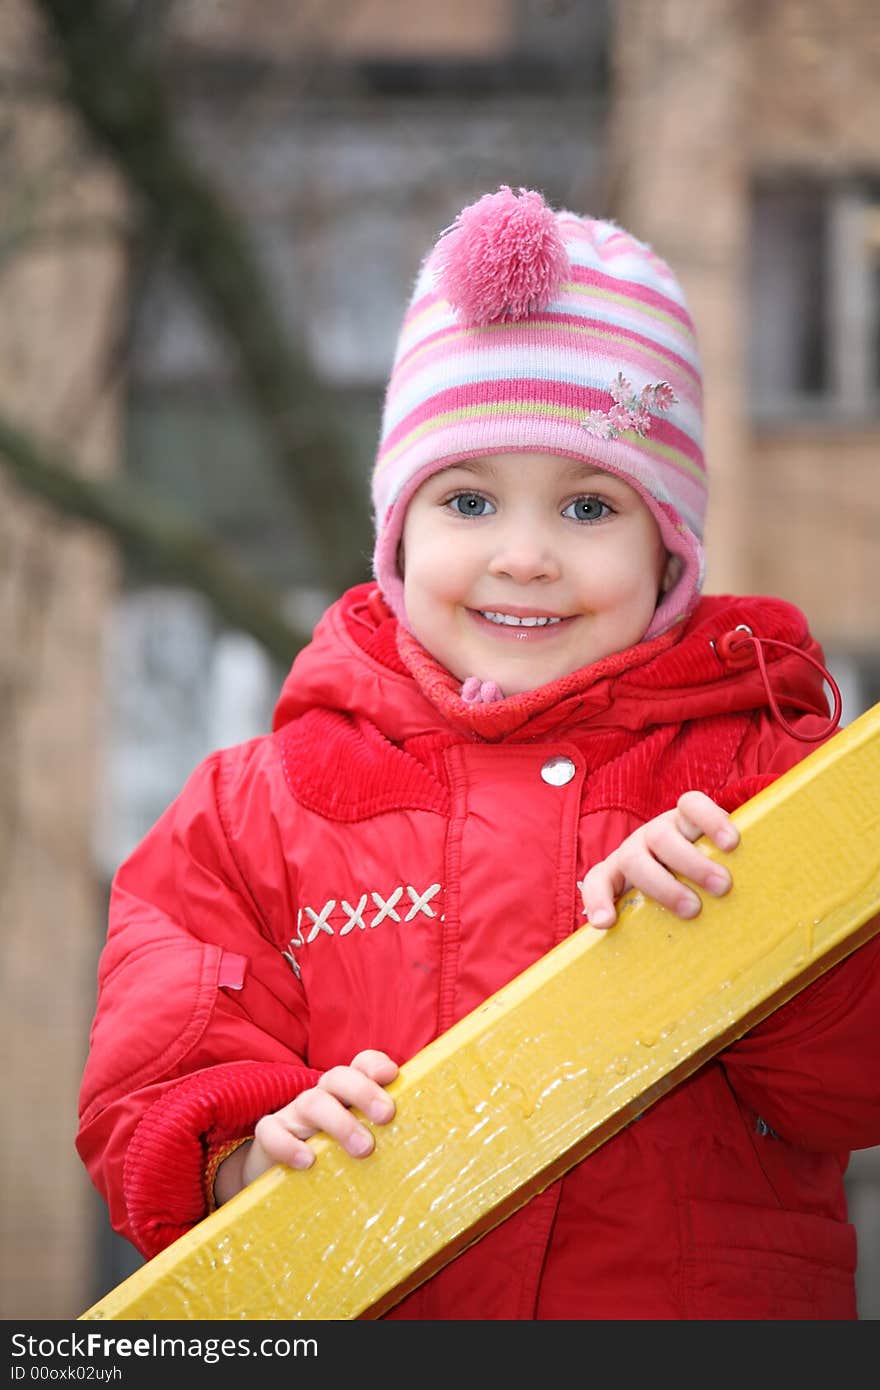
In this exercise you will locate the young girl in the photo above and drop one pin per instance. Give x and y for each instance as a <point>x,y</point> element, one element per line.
<point>530,710</point>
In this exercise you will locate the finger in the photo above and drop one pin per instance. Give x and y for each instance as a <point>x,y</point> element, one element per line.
<point>699,815</point>
<point>656,881</point>
<point>258,1160</point>
<point>378,1066</point>
<point>601,885</point>
<point>677,854</point>
<point>318,1110</point>
<point>354,1087</point>
<point>276,1142</point>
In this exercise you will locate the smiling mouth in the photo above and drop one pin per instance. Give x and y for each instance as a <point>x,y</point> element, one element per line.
<point>510,619</point>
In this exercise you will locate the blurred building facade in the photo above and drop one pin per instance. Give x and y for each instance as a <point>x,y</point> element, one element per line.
<point>740,139</point>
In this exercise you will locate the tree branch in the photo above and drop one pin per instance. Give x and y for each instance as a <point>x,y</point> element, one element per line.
<point>169,547</point>
<point>119,96</point>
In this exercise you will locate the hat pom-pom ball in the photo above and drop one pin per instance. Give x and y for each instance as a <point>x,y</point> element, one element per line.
<point>501,259</point>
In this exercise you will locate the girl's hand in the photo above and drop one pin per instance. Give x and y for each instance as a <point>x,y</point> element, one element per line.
<point>653,855</point>
<point>324,1108</point>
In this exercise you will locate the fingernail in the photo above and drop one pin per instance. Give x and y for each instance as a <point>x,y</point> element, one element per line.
<point>359,1143</point>
<point>303,1160</point>
<point>600,917</point>
<point>718,883</point>
<point>380,1110</point>
<point>728,838</point>
<point>688,906</point>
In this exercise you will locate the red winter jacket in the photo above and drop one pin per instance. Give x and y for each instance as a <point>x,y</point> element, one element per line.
<point>386,858</point>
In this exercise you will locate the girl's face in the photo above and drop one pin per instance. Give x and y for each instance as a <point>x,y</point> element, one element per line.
<point>519,568</point>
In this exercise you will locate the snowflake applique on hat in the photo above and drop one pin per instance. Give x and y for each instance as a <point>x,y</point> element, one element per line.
<point>630,411</point>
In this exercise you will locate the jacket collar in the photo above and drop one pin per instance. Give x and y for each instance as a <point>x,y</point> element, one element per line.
<point>362,663</point>
<point>579,695</point>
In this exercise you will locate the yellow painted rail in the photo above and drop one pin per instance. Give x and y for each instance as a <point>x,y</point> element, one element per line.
<point>545,1070</point>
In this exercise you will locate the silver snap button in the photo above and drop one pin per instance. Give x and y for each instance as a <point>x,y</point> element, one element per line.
<point>557,771</point>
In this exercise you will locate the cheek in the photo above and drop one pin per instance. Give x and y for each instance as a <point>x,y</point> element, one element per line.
<point>437,569</point>
<point>643,563</point>
<point>628,574</point>
<point>612,574</point>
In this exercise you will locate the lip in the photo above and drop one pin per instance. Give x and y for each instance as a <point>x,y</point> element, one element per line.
<point>512,610</point>
<point>503,633</point>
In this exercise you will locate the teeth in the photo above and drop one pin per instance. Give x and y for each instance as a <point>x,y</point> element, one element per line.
<point>508,620</point>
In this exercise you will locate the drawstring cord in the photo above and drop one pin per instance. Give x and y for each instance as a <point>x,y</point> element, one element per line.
<point>737,648</point>
<point>375,605</point>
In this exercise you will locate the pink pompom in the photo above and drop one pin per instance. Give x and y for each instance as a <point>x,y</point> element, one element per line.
<point>470,690</point>
<point>490,691</point>
<point>502,258</point>
<point>475,692</point>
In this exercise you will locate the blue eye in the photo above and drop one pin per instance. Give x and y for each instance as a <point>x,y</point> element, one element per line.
<point>470,504</point>
<point>587,509</point>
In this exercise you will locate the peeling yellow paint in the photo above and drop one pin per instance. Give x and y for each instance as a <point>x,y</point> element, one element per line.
<point>537,1077</point>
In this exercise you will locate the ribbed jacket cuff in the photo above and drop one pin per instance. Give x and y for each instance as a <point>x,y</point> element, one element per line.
<point>164,1177</point>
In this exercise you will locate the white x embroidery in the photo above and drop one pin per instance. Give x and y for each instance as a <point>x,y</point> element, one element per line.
<point>299,939</point>
<point>420,901</point>
<point>320,920</point>
<point>385,906</point>
<point>355,915</point>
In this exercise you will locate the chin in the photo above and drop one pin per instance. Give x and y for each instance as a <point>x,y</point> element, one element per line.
<point>520,683</point>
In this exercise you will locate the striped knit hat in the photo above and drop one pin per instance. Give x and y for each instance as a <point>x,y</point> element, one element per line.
<point>531,330</point>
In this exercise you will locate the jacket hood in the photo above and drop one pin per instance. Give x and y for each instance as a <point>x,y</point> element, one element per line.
<point>734,654</point>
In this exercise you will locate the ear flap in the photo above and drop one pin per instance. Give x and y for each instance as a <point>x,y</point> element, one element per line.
<point>671,574</point>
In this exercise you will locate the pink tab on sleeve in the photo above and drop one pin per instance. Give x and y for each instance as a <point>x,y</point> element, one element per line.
<point>232,970</point>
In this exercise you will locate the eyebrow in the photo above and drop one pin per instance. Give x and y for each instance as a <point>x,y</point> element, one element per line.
<point>482,467</point>
<point>471,466</point>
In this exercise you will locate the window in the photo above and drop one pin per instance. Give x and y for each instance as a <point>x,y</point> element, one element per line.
<point>815,295</point>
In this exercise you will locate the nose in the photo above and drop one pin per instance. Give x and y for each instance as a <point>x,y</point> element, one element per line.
<point>522,553</point>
